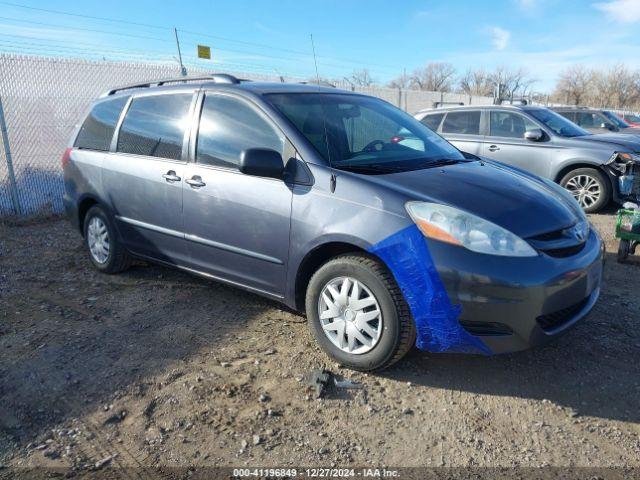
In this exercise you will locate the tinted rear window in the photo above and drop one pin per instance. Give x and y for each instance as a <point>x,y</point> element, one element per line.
<point>154,126</point>
<point>97,130</point>
<point>433,121</point>
<point>467,123</point>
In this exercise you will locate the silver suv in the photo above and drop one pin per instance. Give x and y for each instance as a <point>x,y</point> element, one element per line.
<point>594,168</point>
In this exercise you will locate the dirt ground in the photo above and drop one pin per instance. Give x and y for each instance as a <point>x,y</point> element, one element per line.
<point>153,367</point>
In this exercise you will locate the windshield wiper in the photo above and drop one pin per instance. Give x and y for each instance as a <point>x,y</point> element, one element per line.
<point>445,161</point>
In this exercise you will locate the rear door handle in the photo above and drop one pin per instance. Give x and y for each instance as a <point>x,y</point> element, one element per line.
<point>171,176</point>
<point>494,148</point>
<point>196,182</point>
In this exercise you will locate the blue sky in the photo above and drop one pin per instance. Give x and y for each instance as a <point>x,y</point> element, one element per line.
<point>543,36</point>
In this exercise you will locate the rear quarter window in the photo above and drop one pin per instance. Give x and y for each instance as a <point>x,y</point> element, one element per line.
<point>433,121</point>
<point>97,130</point>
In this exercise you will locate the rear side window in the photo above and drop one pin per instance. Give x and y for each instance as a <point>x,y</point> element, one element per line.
<point>569,115</point>
<point>97,130</point>
<point>433,121</point>
<point>227,127</point>
<point>467,123</point>
<point>154,126</point>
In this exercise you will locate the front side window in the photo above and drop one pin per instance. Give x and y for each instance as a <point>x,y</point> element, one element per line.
<point>154,126</point>
<point>97,130</point>
<point>557,123</point>
<point>363,134</point>
<point>509,124</point>
<point>433,121</point>
<point>464,122</point>
<point>227,127</point>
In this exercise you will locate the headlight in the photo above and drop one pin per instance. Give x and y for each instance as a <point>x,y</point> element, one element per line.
<point>624,161</point>
<point>448,224</point>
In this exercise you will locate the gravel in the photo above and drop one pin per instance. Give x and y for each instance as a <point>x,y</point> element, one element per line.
<point>157,368</point>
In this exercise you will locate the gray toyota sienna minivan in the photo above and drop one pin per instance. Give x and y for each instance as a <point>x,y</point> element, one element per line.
<point>338,205</point>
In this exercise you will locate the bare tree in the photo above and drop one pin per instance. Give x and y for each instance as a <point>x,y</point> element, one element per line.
<point>435,77</point>
<point>574,84</point>
<point>622,85</point>
<point>512,82</point>
<point>362,78</point>
<point>401,81</point>
<point>476,82</point>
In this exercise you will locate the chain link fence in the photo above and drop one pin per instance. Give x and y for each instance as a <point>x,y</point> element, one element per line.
<point>44,97</point>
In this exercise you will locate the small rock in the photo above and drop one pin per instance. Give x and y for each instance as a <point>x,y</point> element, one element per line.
<point>257,439</point>
<point>407,411</point>
<point>104,461</point>
<point>243,445</point>
<point>264,398</point>
<point>51,454</point>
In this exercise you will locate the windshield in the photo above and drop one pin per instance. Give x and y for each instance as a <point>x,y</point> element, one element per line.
<point>616,120</point>
<point>560,125</point>
<point>364,134</point>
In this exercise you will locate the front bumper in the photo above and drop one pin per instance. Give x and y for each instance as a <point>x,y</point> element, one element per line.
<point>511,304</point>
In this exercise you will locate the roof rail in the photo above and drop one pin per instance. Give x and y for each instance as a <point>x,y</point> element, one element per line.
<point>321,83</point>
<point>213,77</point>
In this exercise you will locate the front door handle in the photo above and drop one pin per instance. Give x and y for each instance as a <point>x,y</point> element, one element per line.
<point>196,182</point>
<point>494,148</point>
<point>171,176</point>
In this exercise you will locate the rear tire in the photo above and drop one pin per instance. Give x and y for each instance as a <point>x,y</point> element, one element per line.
<point>389,338</point>
<point>589,187</point>
<point>106,252</point>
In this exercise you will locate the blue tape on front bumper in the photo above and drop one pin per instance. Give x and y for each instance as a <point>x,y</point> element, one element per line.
<point>407,256</point>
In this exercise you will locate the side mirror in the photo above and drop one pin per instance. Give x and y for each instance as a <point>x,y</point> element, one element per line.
<point>534,135</point>
<point>261,162</point>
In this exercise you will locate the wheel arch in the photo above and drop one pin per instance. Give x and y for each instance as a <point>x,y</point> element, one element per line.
<point>316,257</point>
<point>576,165</point>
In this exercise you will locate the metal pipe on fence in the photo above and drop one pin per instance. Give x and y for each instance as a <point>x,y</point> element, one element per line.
<point>7,154</point>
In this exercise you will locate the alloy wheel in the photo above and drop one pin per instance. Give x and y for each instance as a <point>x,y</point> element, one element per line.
<point>585,189</point>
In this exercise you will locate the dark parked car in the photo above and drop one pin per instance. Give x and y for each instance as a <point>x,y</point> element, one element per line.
<point>337,204</point>
<point>597,121</point>
<point>594,168</point>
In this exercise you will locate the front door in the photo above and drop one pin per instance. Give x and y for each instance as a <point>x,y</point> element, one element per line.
<point>506,143</point>
<point>236,225</point>
<point>143,177</point>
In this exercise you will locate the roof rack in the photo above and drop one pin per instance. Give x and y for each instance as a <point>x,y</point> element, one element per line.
<point>213,77</point>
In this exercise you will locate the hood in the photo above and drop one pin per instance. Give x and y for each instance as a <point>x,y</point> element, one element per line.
<point>615,139</point>
<point>510,198</point>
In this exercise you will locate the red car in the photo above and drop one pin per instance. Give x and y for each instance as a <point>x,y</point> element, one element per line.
<point>631,118</point>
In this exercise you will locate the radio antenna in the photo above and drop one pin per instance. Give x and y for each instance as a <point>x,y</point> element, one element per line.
<point>324,120</point>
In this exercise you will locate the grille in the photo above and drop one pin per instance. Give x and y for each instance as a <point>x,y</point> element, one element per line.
<point>565,252</point>
<point>556,319</point>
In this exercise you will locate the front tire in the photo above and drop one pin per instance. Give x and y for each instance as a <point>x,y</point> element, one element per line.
<point>590,188</point>
<point>106,252</point>
<point>358,314</point>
